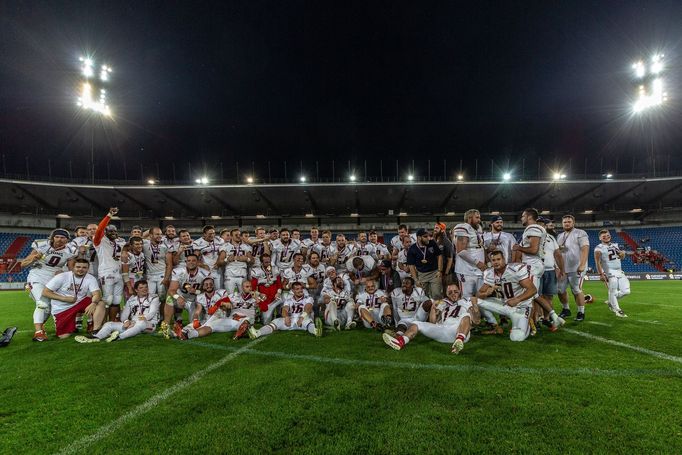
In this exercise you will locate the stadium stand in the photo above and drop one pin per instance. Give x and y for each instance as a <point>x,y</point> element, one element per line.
<point>13,246</point>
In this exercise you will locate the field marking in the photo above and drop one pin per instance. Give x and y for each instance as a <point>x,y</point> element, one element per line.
<point>646,322</point>
<point>660,355</point>
<point>599,323</point>
<point>448,367</point>
<point>114,425</point>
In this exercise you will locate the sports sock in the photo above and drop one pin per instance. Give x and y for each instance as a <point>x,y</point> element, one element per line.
<point>565,306</point>
<point>265,330</point>
<point>581,309</point>
<point>405,339</point>
<point>461,336</point>
<point>311,328</point>
<point>553,316</point>
<point>192,332</point>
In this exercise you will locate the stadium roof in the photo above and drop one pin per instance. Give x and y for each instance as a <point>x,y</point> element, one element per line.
<point>337,199</point>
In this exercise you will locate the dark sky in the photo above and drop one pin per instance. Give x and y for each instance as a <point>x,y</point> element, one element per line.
<point>253,80</point>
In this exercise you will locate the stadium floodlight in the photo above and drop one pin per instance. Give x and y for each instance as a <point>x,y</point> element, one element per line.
<point>202,181</point>
<point>506,176</point>
<point>87,99</point>
<point>460,177</point>
<point>302,179</point>
<point>640,69</point>
<point>352,177</point>
<point>651,89</point>
<point>151,181</point>
<point>558,176</point>
<point>249,179</point>
<point>410,177</point>
<point>608,175</point>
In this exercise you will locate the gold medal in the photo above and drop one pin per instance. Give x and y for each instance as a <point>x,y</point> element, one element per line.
<point>424,261</point>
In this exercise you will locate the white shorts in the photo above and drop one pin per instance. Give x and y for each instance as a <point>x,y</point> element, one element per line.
<point>405,318</point>
<point>280,325</point>
<point>443,333</point>
<point>575,281</point>
<point>225,324</point>
<point>375,312</point>
<point>343,315</point>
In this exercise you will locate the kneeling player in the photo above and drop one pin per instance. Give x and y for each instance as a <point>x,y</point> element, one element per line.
<point>297,314</point>
<point>508,290</point>
<point>449,322</point>
<point>140,315</point>
<point>410,304</point>
<point>373,306</point>
<point>339,305</point>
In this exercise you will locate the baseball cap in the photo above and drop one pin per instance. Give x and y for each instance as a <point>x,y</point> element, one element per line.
<point>441,226</point>
<point>543,220</point>
<point>421,231</point>
<point>496,218</point>
<point>385,263</point>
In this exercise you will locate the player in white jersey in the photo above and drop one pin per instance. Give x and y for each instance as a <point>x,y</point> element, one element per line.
<point>339,306</point>
<point>183,247</point>
<point>109,247</point>
<point>360,270</point>
<point>80,242</point>
<point>341,251</point>
<point>317,269</point>
<point>508,290</point>
<point>398,241</point>
<point>380,250</point>
<point>139,315</point>
<point>207,248</point>
<point>297,314</point>
<point>283,249</point>
<point>91,254</point>
<point>236,256</point>
<point>313,240</point>
<point>185,285</point>
<point>531,252</point>
<point>325,248</point>
<point>71,293</point>
<point>158,263</point>
<point>267,280</point>
<point>364,248</point>
<point>409,304</point>
<point>449,322</point>
<point>259,246</point>
<point>470,251</point>
<point>497,239</point>
<point>607,256</point>
<point>373,307</point>
<point>299,272</point>
<point>401,260</point>
<point>170,238</point>
<point>133,264</point>
<point>47,259</point>
<point>574,245</point>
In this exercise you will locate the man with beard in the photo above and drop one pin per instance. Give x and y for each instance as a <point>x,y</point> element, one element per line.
<point>410,304</point>
<point>109,247</point>
<point>267,281</point>
<point>497,239</point>
<point>339,306</point>
<point>297,314</point>
<point>235,256</point>
<point>426,265</point>
<point>341,253</point>
<point>325,248</point>
<point>373,307</point>
<point>574,245</point>
<point>389,278</point>
<point>207,248</point>
<point>446,249</point>
<point>283,249</point>
<point>381,251</point>
<point>158,263</point>
<point>133,265</point>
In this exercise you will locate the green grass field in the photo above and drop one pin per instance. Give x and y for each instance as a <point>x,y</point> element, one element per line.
<point>606,385</point>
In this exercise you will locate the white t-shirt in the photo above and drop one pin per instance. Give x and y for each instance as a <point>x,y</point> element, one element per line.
<point>68,285</point>
<point>570,244</point>
<point>551,246</point>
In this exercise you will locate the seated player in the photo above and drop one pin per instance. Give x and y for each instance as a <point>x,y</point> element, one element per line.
<point>140,315</point>
<point>409,304</point>
<point>508,290</point>
<point>68,294</point>
<point>339,305</point>
<point>373,306</point>
<point>449,322</point>
<point>360,269</point>
<point>297,314</point>
<point>265,278</point>
<point>235,313</point>
<point>205,300</point>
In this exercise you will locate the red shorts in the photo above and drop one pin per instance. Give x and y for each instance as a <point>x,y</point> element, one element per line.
<point>65,322</point>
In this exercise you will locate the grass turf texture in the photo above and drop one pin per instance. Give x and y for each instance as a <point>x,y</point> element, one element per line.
<point>349,393</point>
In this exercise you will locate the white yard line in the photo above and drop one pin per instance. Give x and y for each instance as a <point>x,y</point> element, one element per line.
<point>83,443</point>
<point>599,323</point>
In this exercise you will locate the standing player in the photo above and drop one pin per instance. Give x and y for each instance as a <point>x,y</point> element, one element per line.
<point>48,258</point>
<point>297,314</point>
<point>497,239</point>
<point>133,264</point>
<point>109,247</point>
<point>373,306</point>
<point>574,245</point>
<point>410,304</point>
<point>158,263</point>
<point>259,246</point>
<point>140,315</point>
<point>283,249</point>
<point>380,249</point>
<point>607,256</point>
<point>508,290</point>
<point>235,255</point>
<point>68,294</point>
<point>341,253</point>
<point>325,248</point>
<point>401,260</point>
<point>339,305</point>
<point>449,322</point>
<point>364,248</point>
<point>184,286</point>
<point>532,253</point>
<point>183,247</point>
<point>208,249</point>
<point>314,239</point>
<point>398,243</point>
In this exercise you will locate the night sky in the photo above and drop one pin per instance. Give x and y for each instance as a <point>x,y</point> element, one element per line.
<point>256,81</point>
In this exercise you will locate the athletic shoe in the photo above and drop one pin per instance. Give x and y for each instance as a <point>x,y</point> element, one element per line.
<point>589,298</point>
<point>556,324</point>
<point>390,333</point>
<point>457,346</point>
<point>387,320</point>
<point>318,327</point>
<point>40,335</point>
<point>253,333</point>
<point>177,329</point>
<point>7,336</point>
<point>376,326</point>
<point>580,317</point>
<point>164,330</point>
<point>337,325</point>
<point>395,343</point>
<point>91,326</point>
<point>351,325</point>
<point>492,329</point>
<point>621,314</point>
<point>243,328</point>
<point>113,337</point>
<point>565,313</point>
<point>86,339</point>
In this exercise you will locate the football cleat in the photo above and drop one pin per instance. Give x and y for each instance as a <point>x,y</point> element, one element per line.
<point>177,329</point>
<point>621,314</point>
<point>565,313</point>
<point>243,328</point>
<point>337,325</point>
<point>113,337</point>
<point>351,325</point>
<point>580,317</point>
<point>387,320</point>
<point>318,327</point>
<point>253,333</point>
<point>492,329</point>
<point>165,330</point>
<point>390,333</point>
<point>589,298</point>
<point>86,339</point>
<point>183,335</point>
<point>40,335</point>
<point>457,346</point>
<point>395,343</point>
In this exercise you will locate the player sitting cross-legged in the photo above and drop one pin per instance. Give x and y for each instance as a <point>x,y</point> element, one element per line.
<point>449,322</point>
<point>297,314</point>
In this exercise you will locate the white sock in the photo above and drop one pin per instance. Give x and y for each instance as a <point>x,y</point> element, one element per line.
<point>311,328</point>
<point>581,309</point>
<point>553,316</point>
<point>192,332</point>
<point>565,306</point>
<point>265,330</point>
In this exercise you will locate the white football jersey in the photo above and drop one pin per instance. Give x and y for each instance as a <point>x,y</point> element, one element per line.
<point>257,250</point>
<point>208,251</point>
<point>68,285</point>
<point>297,306</point>
<point>610,261</point>
<point>189,282</point>
<point>406,305</point>
<point>318,273</point>
<point>340,297</point>
<point>181,250</point>
<point>244,304</point>
<point>372,301</point>
<point>570,244</point>
<point>136,266</point>
<point>283,255</point>
<point>155,256</point>
<point>328,286</point>
<point>508,283</point>
<point>402,259</point>
<point>300,276</point>
<point>142,306</point>
<point>368,249</point>
<point>367,266</point>
<point>324,251</point>
<point>475,247</point>
<point>342,255</point>
<point>50,262</point>
<point>502,241</point>
<point>534,230</point>
<point>397,243</point>
<point>380,250</point>
<point>235,268</point>
<point>452,311</point>
<point>109,255</point>
<point>207,301</point>
<point>267,275</point>
<point>309,243</point>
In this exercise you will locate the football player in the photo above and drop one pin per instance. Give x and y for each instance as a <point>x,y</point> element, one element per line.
<point>259,246</point>
<point>109,247</point>
<point>133,264</point>
<point>380,249</point>
<point>325,247</point>
<point>508,290</point>
<point>158,263</point>
<point>267,280</point>
<point>364,248</point>
<point>409,304</point>
<point>397,242</point>
<point>297,314</point>
<point>373,306</point>
<point>497,239</point>
<point>47,259</point>
<point>139,315</point>
<point>283,249</point>
<point>182,248</point>
<point>299,273</point>
<point>236,256</point>
<point>207,248</point>
<point>401,260</point>
<point>339,305</point>
<point>448,322</point>
<point>574,245</point>
<point>341,252</point>
<point>607,256</point>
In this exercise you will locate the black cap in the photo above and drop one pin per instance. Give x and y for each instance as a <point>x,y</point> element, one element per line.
<point>421,232</point>
<point>496,218</point>
<point>385,263</point>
